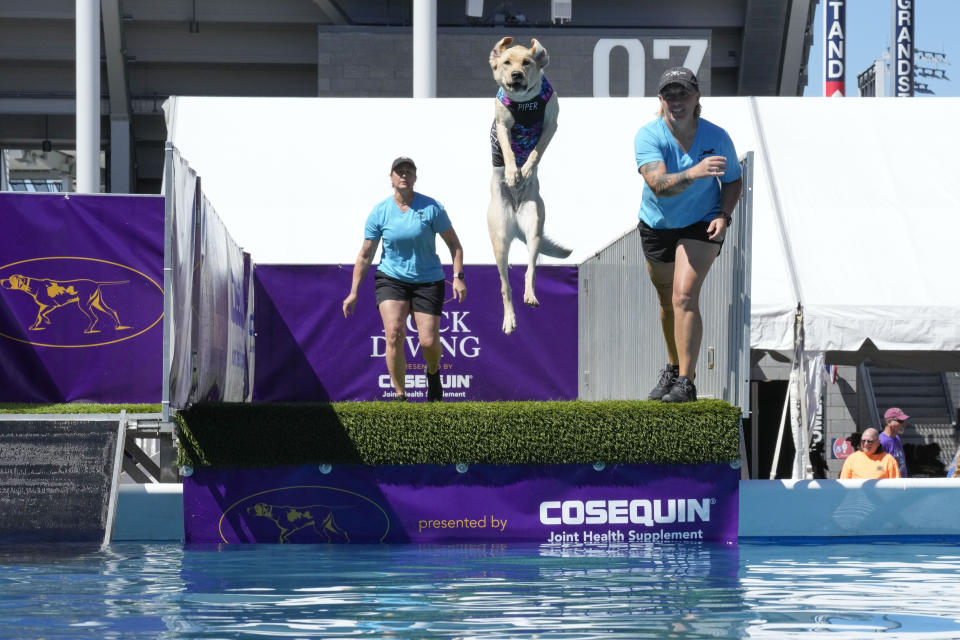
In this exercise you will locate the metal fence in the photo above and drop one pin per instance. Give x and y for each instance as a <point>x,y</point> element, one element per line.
<point>621,347</point>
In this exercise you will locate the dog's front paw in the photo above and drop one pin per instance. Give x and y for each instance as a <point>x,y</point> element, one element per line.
<point>530,299</point>
<point>509,324</point>
<point>511,176</point>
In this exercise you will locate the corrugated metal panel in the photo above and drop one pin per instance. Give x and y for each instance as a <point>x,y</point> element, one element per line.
<point>766,25</point>
<point>621,346</point>
<point>57,478</point>
<point>4,171</point>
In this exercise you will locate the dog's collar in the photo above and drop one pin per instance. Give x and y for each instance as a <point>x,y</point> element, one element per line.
<point>545,93</point>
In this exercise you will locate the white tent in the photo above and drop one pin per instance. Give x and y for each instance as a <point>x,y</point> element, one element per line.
<point>853,204</point>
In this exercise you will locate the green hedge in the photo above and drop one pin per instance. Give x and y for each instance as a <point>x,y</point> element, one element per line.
<point>386,433</point>
<point>76,407</point>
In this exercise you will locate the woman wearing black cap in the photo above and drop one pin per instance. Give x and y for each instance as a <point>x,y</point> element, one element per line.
<point>692,184</point>
<point>410,277</point>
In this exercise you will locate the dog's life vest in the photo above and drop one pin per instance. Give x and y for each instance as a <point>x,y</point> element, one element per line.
<point>527,124</point>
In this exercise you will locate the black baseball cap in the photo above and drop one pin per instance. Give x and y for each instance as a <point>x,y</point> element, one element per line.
<point>678,75</point>
<point>402,160</point>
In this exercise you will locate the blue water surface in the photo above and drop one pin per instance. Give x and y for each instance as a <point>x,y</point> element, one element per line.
<point>757,589</point>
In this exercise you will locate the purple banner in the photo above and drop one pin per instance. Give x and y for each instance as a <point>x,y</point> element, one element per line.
<point>307,350</point>
<point>81,298</point>
<point>549,504</point>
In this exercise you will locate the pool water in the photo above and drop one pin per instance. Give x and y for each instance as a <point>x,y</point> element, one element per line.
<point>757,589</point>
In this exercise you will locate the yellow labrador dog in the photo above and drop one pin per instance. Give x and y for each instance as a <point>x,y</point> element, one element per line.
<point>525,120</point>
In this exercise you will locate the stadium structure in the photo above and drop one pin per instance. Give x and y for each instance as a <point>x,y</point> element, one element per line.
<point>352,48</point>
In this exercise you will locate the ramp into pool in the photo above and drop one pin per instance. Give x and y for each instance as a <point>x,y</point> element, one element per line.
<point>58,477</point>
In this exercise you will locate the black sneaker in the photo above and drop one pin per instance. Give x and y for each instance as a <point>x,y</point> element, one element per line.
<point>400,398</point>
<point>434,388</point>
<point>667,377</point>
<point>682,391</point>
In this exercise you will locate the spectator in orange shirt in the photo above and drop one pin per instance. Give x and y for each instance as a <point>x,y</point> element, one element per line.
<point>870,462</point>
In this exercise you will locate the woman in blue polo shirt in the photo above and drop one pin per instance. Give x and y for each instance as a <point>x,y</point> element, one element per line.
<point>692,184</point>
<point>409,278</point>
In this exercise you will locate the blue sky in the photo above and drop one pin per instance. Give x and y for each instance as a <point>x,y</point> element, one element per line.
<point>936,28</point>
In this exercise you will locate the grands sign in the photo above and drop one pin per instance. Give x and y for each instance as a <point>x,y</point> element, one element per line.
<point>583,62</point>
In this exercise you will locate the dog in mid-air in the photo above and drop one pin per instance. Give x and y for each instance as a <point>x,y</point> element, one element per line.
<point>525,120</point>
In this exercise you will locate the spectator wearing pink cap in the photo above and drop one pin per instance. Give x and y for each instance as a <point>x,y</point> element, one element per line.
<point>895,421</point>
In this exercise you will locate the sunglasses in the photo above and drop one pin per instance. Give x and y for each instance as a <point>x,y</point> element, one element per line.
<point>863,442</point>
<point>670,96</point>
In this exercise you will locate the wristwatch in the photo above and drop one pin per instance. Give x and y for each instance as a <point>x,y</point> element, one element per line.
<point>459,275</point>
<point>726,216</point>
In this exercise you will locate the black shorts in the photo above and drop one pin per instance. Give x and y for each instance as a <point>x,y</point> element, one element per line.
<point>425,297</point>
<point>660,245</point>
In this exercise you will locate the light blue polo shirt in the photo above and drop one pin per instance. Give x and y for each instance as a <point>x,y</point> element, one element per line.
<point>701,200</point>
<point>409,238</point>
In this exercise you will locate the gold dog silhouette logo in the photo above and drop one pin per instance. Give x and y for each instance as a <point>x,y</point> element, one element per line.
<point>76,302</point>
<point>50,295</point>
<point>306,514</point>
<point>289,520</point>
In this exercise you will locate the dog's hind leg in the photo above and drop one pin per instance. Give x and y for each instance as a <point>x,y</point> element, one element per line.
<point>501,254</point>
<point>98,303</point>
<point>91,316</point>
<point>530,220</point>
<point>501,225</point>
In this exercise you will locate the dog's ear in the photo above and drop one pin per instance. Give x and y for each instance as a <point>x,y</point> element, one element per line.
<point>540,55</point>
<point>498,51</point>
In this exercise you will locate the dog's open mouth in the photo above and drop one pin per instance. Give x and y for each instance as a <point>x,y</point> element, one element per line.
<point>516,86</point>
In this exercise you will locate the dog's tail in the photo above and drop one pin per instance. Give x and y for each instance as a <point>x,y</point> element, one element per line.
<point>550,248</point>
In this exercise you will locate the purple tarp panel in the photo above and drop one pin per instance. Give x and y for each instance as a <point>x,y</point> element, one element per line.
<point>81,298</point>
<point>549,504</point>
<point>307,350</point>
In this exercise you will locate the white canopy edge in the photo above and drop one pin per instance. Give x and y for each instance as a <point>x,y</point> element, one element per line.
<point>857,187</point>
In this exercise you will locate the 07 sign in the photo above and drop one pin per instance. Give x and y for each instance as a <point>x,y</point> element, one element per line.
<point>637,61</point>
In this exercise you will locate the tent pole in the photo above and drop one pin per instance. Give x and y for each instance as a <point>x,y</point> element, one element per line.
<point>754,430</point>
<point>812,395</point>
<point>783,423</point>
<point>796,394</point>
<point>796,420</point>
<point>744,469</point>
